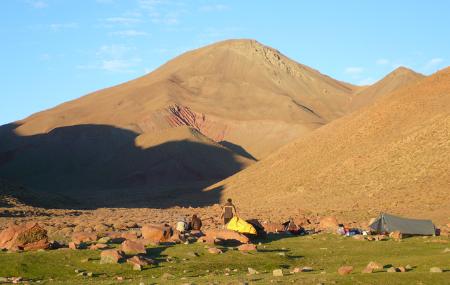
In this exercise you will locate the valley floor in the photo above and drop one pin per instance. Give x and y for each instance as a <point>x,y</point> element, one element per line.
<point>192,264</point>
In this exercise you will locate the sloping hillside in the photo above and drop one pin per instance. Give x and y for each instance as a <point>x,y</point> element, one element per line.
<point>393,156</point>
<point>397,79</point>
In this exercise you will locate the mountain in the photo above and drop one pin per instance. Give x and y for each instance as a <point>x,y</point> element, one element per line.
<point>392,156</point>
<point>395,80</point>
<point>194,121</point>
<point>239,92</point>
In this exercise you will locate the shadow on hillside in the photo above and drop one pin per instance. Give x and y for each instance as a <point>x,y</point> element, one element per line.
<point>238,149</point>
<point>92,166</point>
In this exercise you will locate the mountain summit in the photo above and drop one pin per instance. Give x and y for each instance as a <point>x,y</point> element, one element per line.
<point>197,119</point>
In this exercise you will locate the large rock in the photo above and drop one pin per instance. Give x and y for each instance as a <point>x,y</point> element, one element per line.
<point>111,256</point>
<point>247,247</point>
<point>270,227</point>
<point>156,233</point>
<point>80,237</point>
<point>329,223</point>
<point>133,247</point>
<point>29,236</point>
<point>226,235</point>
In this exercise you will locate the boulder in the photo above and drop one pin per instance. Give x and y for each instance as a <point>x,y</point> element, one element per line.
<point>247,247</point>
<point>226,235</point>
<point>252,271</point>
<point>111,256</point>
<point>270,227</point>
<point>29,236</point>
<point>80,237</point>
<point>156,233</point>
<point>367,270</point>
<point>329,223</point>
<point>140,260</point>
<point>132,247</point>
<point>344,270</point>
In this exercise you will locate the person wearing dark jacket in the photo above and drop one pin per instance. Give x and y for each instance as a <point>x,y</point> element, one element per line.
<point>196,223</point>
<point>228,211</point>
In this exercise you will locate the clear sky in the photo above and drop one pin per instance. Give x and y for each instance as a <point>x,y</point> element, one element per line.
<point>52,51</point>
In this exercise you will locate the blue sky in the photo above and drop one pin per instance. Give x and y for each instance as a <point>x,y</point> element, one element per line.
<point>56,50</point>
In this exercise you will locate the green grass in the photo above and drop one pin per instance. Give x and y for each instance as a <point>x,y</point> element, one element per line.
<point>325,253</point>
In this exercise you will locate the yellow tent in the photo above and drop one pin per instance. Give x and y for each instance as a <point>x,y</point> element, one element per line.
<point>241,226</point>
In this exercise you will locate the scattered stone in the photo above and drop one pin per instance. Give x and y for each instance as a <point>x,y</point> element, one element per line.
<point>435,270</point>
<point>277,273</point>
<point>140,260</point>
<point>111,256</point>
<point>446,250</point>
<point>90,274</point>
<point>247,247</point>
<point>396,235</point>
<point>133,247</point>
<point>167,276</point>
<point>381,238</point>
<point>252,271</point>
<point>344,270</point>
<point>401,269</point>
<point>367,269</point>
<point>80,237</point>
<point>282,253</point>
<point>214,250</point>
<point>374,265</point>
<point>98,246</point>
<point>307,269</point>
<point>104,240</point>
<point>392,270</point>
<point>192,254</point>
<point>130,235</point>
<point>408,267</point>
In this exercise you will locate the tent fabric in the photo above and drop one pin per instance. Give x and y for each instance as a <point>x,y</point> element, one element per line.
<point>241,226</point>
<point>390,223</point>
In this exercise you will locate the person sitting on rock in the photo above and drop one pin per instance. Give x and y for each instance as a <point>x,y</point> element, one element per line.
<point>228,211</point>
<point>196,223</point>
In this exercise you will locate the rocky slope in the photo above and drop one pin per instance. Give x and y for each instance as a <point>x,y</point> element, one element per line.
<point>397,79</point>
<point>393,156</point>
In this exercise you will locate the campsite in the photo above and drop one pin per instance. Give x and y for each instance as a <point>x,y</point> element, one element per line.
<point>149,142</point>
<point>317,252</point>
